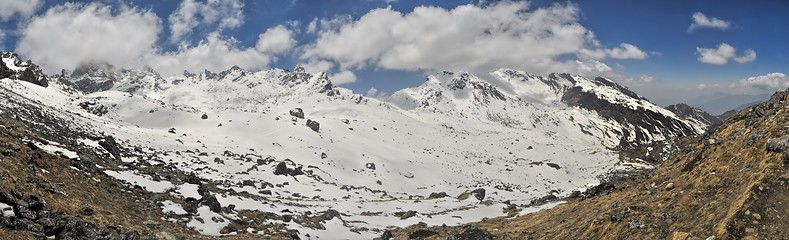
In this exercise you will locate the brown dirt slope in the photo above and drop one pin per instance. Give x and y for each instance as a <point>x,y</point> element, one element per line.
<point>728,186</point>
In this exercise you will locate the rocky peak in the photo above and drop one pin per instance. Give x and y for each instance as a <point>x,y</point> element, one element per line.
<point>13,68</point>
<point>90,77</point>
<point>687,112</point>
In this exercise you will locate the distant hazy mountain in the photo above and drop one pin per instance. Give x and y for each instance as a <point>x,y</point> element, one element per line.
<point>718,103</point>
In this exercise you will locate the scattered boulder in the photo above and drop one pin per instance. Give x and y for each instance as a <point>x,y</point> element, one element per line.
<point>387,235</point>
<point>370,166</point>
<point>314,125</point>
<point>554,165</point>
<point>24,212</point>
<point>297,112</point>
<point>779,144</point>
<point>76,228</point>
<point>205,116</point>
<point>87,211</point>
<point>421,234</point>
<point>109,144</point>
<point>479,193</point>
<point>331,214</point>
<point>211,202</point>
<point>472,233</point>
<point>282,169</point>
<point>436,195</point>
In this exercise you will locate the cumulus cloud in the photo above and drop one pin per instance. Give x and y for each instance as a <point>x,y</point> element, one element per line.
<point>749,56</point>
<point>275,40</point>
<point>127,37</point>
<point>624,51</point>
<point>702,21</point>
<point>73,32</point>
<point>21,8</point>
<point>223,14</point>
<point>627,51</point>
<point>723,53</point>
<point>214,54</point>
<point>469,37</point>
<point>773,81</point>
<point>343,77</point>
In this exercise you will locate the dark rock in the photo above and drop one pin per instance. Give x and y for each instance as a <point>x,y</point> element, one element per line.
<point>131,235</point>
<point>324,156</point>
<point>205,116</point>
<point>171,130</point>
<point>27,224</point>
<point>387,235</point>
<point>87,211</point>
<point>36,203</point>
<point>211,202</point>
<point>331,214</point>
<point>553,165</point>
<point>438,195</point>
<point>421,234</point>
<point>297,112</point>
<point>479,193</point>
<point>405,215</point>
<point>314,125</point>
<point>282,169</point>
<point>109,144</point>
<point>24,212</point>
<point>472,233</point>
<point>543,199</point>
<point>76,228</point>
<point>370,166</point>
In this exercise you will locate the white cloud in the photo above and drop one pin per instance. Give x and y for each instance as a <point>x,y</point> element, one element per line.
<point>343,77</point>
<point>469,37</point>
<point>223,14</point>
<point>214,54</point>
<point>749,56</point>
<point>702,21</point>
<point>374,93</point>
<point>627,51</point>
<point>70,33</point>
<point>127,37</point>
<point>318,66</point>
<point>275,40</point>
<point>21,8</point>
<point>723,53</point>
<point>773,81</point>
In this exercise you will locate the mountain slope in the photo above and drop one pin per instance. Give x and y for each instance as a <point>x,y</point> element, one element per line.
<point>730,185</point>
<point>289,150</point>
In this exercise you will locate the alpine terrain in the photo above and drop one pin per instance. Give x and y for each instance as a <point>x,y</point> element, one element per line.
<point>107,152</point>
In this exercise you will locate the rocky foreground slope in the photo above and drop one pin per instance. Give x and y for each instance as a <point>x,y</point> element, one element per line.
<point>731,184</point>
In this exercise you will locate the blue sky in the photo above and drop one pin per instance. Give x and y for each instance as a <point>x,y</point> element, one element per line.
<point>736,47</point>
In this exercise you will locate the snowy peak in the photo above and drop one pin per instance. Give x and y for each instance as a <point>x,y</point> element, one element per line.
<point>13,68</point>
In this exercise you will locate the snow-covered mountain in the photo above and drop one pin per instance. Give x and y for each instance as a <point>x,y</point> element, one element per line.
<point>290,144</point>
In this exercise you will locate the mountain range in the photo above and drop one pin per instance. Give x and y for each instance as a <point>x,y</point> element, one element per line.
<point>283,153</point>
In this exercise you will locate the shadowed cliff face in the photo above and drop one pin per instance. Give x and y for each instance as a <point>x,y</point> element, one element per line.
<point>731,184</point>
